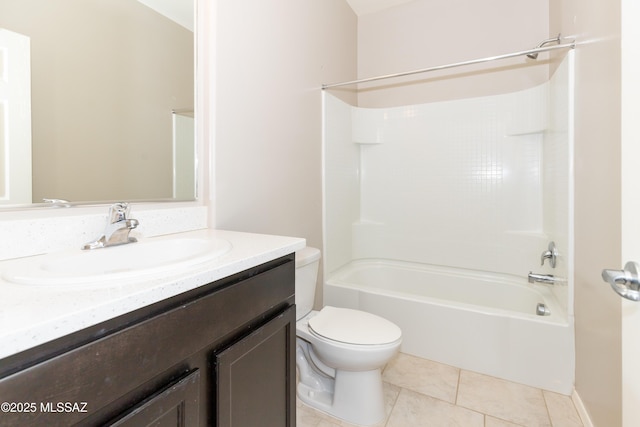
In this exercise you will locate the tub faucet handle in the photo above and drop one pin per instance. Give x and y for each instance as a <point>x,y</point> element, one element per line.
<point>551,254</point>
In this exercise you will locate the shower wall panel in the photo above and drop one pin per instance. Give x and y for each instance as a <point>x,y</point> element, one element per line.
<point>558,176</point>
<point>455,183</point>
<point>341,182</point>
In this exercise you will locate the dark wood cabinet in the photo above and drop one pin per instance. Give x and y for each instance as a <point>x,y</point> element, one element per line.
<point>255,377</point>
<point>220,355</point>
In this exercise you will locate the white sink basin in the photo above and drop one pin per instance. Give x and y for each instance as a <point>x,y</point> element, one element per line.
<point>112,264</point>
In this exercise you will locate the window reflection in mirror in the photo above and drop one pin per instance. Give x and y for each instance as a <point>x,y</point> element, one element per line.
<point>111,100</point>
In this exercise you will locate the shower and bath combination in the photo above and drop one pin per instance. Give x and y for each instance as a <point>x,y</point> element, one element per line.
<point>437,269</point>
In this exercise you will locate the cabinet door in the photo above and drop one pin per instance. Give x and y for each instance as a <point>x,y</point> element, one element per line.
<point>256,377</point>
<point>176,405</point>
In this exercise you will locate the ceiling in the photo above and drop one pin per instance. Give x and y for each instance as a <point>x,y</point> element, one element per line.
<point>362,7</point>
<point>179,11</point>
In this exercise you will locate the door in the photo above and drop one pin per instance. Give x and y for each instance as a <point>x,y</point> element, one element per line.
<point>15,118</point>
<point>255,377</point>
<point>630,193</point>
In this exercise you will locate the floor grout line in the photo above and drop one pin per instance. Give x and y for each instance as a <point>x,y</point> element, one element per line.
<point>455,402</point>
<point>386,421</point>
<point>546,405</point>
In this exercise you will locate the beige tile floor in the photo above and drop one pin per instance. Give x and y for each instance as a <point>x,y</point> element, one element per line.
<point>420,392</point>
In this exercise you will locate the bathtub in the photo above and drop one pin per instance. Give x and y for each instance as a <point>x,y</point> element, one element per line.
<point>478,321</point>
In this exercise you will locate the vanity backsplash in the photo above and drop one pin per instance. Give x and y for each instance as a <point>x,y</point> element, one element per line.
<point>27,233</point>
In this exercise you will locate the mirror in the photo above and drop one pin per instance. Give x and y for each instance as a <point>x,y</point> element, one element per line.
<point>96,100</point>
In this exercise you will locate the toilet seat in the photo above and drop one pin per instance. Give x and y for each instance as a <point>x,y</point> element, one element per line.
<point>353,327</point>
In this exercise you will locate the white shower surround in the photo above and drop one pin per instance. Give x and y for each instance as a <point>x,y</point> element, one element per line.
<point>474,184</point>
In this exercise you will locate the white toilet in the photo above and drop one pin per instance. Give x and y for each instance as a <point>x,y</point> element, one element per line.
<point>340,352</point>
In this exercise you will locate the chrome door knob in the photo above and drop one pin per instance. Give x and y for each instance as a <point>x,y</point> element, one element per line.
<point>625,283</point>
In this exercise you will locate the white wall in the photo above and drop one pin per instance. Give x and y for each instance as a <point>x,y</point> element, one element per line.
<point>272,58</point>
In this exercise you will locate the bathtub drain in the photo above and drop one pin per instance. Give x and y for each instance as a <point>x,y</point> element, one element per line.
<point>542,310</point>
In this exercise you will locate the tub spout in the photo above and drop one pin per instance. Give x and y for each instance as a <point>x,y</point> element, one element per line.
<point>542,310</point>
<point>542,278</point>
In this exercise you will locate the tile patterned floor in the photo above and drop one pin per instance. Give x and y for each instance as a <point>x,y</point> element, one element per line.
<point>420,392</point>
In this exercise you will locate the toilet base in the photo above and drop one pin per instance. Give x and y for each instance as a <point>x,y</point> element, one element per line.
<point>355,397</point>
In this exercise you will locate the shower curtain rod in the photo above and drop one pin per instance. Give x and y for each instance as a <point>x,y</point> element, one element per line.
<point>570,45</point>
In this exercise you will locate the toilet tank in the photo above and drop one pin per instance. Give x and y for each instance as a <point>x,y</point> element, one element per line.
<point>307,262</point>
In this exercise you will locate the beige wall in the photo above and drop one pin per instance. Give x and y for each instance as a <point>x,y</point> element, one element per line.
<point>596,26</point>
<point>424,33</point>
<point>272,58</point>
<point>102,96</point>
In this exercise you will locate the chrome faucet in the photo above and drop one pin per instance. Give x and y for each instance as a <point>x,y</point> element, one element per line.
<point>542,278</point>
<point>117,230</point>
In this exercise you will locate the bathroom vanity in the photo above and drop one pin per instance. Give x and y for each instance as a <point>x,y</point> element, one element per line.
<point>217,352</point>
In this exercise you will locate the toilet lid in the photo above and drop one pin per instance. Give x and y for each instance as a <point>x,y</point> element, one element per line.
<point>353,326</point>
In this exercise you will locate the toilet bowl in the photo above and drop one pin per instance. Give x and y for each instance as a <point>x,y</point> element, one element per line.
<point>340,352</point>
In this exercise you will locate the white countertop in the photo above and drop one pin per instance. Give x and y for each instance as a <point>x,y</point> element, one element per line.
<point>32,315</point>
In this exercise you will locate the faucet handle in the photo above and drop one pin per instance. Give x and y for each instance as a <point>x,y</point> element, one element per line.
<point>551,254</point>
<point>119,212</point>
